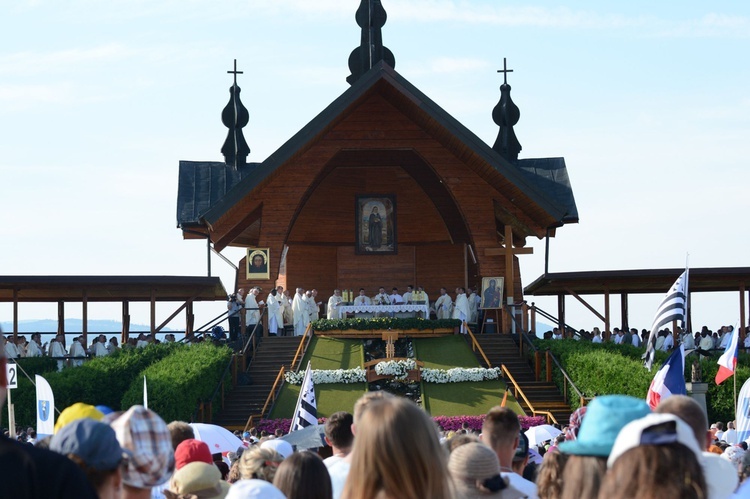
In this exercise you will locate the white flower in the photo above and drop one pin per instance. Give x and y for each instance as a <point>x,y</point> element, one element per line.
<point>399,370</point>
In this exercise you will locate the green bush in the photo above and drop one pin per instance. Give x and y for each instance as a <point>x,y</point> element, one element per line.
<point>100,381</point>
<point>601,369</point>
<point>177,382</point>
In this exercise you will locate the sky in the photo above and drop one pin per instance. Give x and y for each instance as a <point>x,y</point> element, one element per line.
<point>99,101</point>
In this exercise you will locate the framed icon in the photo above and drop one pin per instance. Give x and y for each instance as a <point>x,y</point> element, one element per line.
<point>492,292</point>
<point>257,264</point>
<point>375,224</point>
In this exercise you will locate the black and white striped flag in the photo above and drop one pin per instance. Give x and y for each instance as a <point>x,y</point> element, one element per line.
<point>672,308</point>
<point>306,413</point>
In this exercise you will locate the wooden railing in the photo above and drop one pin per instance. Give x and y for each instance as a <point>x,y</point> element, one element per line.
<point>475,346</point>
<point>271,398</point>
<point>302,348</point>
<point>518,391</point>
<point>551,359</point>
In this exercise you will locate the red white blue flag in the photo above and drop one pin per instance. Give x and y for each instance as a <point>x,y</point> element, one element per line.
<point>669,380</point>
<point>728,360</point>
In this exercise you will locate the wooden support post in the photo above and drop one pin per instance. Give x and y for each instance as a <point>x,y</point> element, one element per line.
<point>561,313</point>
<point>85,320</point>
<point>509,274</point>
<point>189,319</point>
<point>60,317</point>
<point>537,365</point>
<point>607,323</point>
<point>743,322</point>
<point>153,313</point>
<point>533,318</point>
<point>525,317</point>
<point>624,311</point>
<point>125,336</point>
<point>15,319</point>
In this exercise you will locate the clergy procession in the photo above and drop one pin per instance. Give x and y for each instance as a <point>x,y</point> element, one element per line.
<point>290,315</point>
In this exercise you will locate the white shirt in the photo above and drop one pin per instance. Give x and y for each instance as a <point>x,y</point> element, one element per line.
<point>668,343</point>
<point>636,341</point>
<point>520,483</point>
<point>11,350</point>
<point>382,299</point>
<point>365,300</point>
<point>332,311</point>
<point>596,339</point>
<point>99,350</point>
<point>730,436</point>
<point>339,471</point>
<point>397,299</point>
<point>33,350</point>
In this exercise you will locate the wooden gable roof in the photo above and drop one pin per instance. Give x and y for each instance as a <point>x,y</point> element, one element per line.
<point>537,193</point>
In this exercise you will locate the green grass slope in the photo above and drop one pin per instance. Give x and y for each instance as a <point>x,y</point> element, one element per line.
<point>450,399</point>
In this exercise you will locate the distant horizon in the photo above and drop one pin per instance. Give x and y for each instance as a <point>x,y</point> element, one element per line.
<point>72,325</point>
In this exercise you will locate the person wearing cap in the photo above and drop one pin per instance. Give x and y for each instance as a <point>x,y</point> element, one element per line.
<point>475,471</point>
<point>93,446</point>
<point>721,477</point>
<point>192,451</point>
<point>501,432</point>
<point>79,410</point>
<point>197,480</point>
<point>655,456</point>
<point>281,446</point>
<point>146,436</point>
<point>254,489</point>
<point>587,454</point>
<point>27,471</point>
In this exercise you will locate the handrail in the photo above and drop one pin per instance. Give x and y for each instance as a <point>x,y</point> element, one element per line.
<point>302,347</point>
<point>271,396</point>
<point>550,417</point>
<point>581,397</point>
<point>567,327</point>
<point>475,345</point>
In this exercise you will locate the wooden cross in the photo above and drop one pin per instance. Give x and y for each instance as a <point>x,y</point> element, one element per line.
<point>508,251</point>
<point>505,72</point>
<point>235,72</point>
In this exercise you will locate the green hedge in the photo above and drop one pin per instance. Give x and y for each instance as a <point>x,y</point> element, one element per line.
<point>179,381</point>
<point>600,369</point>
<point>100,381</point>
<point>383,323</point>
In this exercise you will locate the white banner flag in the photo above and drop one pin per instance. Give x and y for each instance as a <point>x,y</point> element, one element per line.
<point>145,393</point>
<point>45,408</point>
<point>306,413</point>
<point>742,417</point>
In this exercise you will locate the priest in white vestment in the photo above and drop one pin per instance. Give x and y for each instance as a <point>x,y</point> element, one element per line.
<point>362,299</point>
<point>33,348</point>
<point>301,313</point>
<point>407,295</point>
<point>286,303</point>
<point>461,308</point>
<point>252,310</point>
<point>77,350</point>
<point>313,304</point>
<point>275,312</point>
<point>11,350</point>
<point>99,349</point>
<point>396,299</point>
<point>381,298</point>
<point>332,311</point>
<point>473,305</point>
<point>57,349</point>
<point>444,305</point>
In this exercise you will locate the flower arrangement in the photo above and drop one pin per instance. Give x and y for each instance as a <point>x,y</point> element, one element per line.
<point>398,369</point>
<point>383,323</point>
<point>328,376</point>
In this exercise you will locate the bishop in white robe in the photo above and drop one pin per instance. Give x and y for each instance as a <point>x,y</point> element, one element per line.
<point>301,313</point>
<point>332,311</point>
<point>76,350</point>
<point>57,349</point>
<point>444,305</point>
<point>461,308</point>
<point>275,312</point>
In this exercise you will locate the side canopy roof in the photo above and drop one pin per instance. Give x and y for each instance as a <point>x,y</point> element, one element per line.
<point>539,187</point>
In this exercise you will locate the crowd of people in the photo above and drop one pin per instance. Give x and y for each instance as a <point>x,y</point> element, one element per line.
<point>705,339</point>
<point>291,313</point>
<point>77,352</point>
<point>387,448</point>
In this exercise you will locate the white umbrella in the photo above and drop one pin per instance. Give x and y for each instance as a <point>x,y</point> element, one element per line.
<point>311,437</point>
<point>541,433</point>
<point>218,438</point>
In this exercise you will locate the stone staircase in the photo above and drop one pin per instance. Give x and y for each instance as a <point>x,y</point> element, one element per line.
<point>255,384</point>
<point>544,396</point>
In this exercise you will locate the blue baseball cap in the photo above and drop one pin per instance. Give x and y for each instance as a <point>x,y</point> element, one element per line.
<point>605,417</point>
<point>94,442</point>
